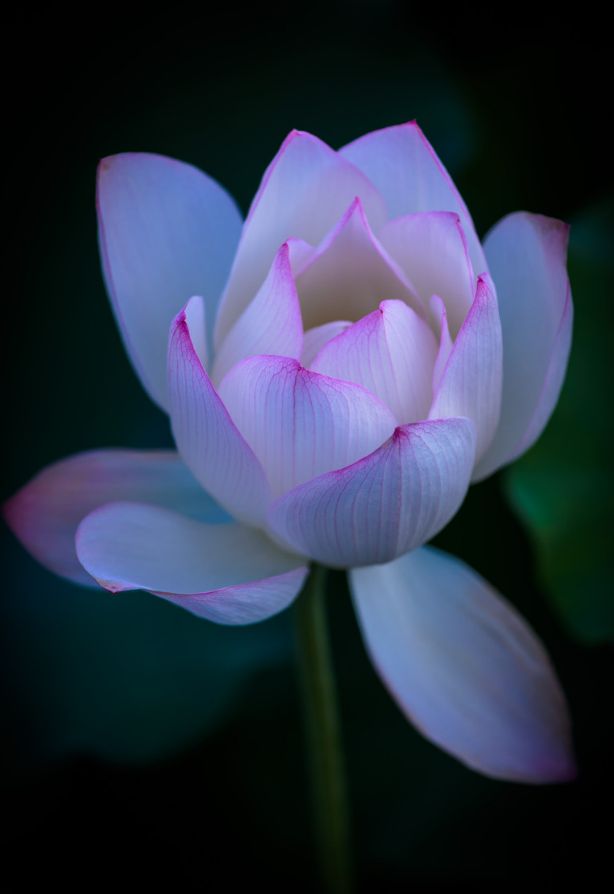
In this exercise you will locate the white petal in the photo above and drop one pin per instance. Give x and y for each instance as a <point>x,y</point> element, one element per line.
<point>464,667</point>
<point>301,424</point>
<point>440,316</point>
<point>167,231</point>
<point>230,574</point>
<point>316,338</point>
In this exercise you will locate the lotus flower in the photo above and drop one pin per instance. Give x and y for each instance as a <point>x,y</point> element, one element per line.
<point>340,367</point>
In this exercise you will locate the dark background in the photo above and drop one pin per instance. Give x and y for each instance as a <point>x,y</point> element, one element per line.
<point>144,747</point>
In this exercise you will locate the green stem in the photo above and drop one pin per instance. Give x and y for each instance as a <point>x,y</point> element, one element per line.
<point>323,735</point>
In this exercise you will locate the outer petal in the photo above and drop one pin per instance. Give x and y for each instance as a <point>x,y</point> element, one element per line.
<point>205,435</point>
<point>471,381</point>
<point>167,231</point>
<point>301,424</point>
<point>385,504</point>
<point>464,667</point>
<point>226,573</point>
<point>527,254</point>
<point>431,249</point>
<point>271,324</point>
<point>303,193</point>
<point>405,168</point>
<point>391,352</point>
<point>350,273</point>
<point>44,514</point>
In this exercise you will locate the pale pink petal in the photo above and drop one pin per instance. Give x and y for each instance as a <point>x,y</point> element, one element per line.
<point>167,231</point>
<point>305,190</point>
<point>350,273</point>
<point>301,424</point>
<point>471,381</point>
<point>385,504</point>
<point>439,313</point>
<point>464,667</point>
<point>527,254</point>
<point>44,514</point>
<point>391,352</point>
<point>271,324</point>
<point>316,338</point>
<point>206,436</point>
<point>230,574</point>
<point>431,249</point>
<point>404,167</point>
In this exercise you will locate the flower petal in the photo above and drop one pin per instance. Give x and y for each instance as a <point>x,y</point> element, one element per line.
<point>385,504</point>
<point>44,514</point>
<point>271,324</point>
<point>167,231</point>
<point>471,381</point>
<point>230,574</point>
<point>316,338</point>
<point>206,436</point>
<point>527,254</point>
<point>304,191</point>
<point>404,167</point>
<point>350,273</point>
<point>464,667</point>
<point>440,316</point>
<point>301,424</point>
<point>431,249</point>
<point>390,352</point>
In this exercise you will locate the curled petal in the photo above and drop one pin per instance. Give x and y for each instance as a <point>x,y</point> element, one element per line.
<point>386,503</point>
<point>304,191</point>
<point>464,667</point>
<point>45,514</point>
<point>230,574</point>
<point>299,423</point>
<point>527,254</point>
<point>390,352</point>
<point>167,231</point>
<point>205,434</point>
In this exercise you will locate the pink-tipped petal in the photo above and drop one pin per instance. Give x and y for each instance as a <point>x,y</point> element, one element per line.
<point>305,190</point>
<point>527,254</point>
<point>385,504</point>
<point>271,324</point>
<point>471,381</point>
<point>229,574</point>
<point>316,338</point>
<point>431,249</point>
<point>205,434</point>
<point>350,273</point>
<point>44,515</point>
<point>390,352</point>
<point>167,231</point>
<point>301,424</point>
<point>440,316</point>
<point>464,667</point>
<point>403,165</point>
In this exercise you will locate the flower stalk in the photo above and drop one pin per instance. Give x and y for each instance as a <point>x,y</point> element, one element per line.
<point>323,733</point>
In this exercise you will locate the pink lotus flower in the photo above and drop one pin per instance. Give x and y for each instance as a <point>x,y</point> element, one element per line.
<point>353,360</point>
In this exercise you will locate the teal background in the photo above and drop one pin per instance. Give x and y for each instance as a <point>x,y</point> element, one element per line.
<point>152,747</point>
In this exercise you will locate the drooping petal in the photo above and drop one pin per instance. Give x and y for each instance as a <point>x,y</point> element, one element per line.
<point>207,438</point>
<point>167,231</point>
<point>527,256</point>
<point>44,514</point>
<point>350,273</point>
<point>464,667</point>
<point>299,423</point>
<point>316,338</point>
<point>471,381</point>
<point>230,574</point>
<point>404,167</point>
<point>304,191</point>
<point>391,352</point>
<point>271,324</point>
<point>439,313</point>
<point>390,502</point>
<point>431,249</point>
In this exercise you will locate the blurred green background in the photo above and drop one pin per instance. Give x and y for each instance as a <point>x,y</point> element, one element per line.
<point>159,748</point>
